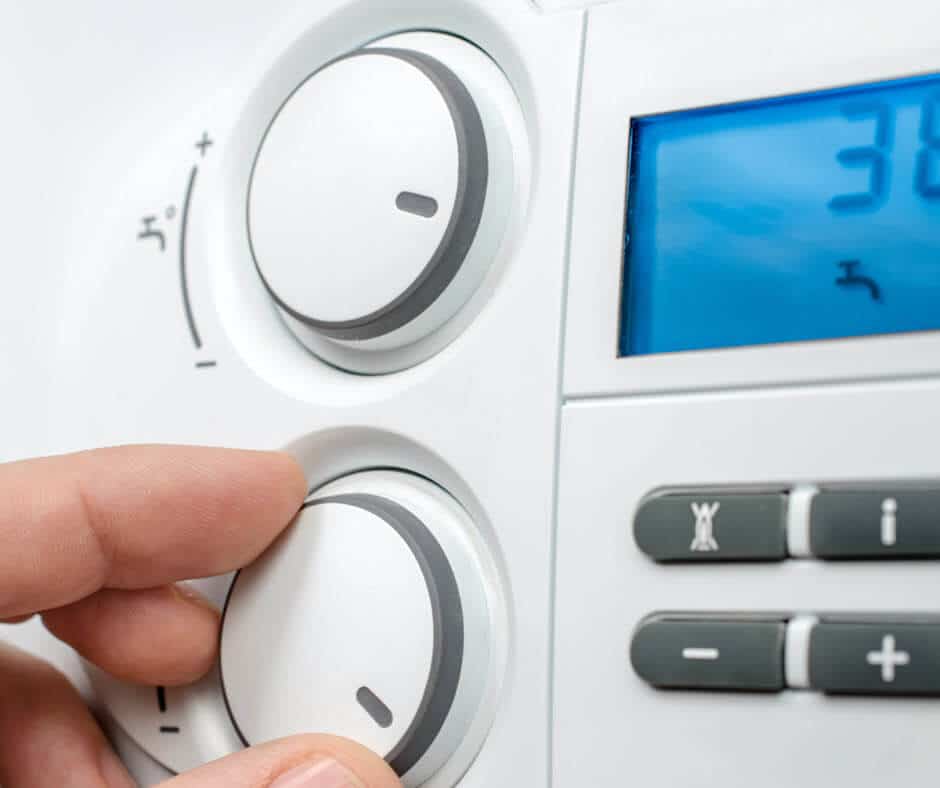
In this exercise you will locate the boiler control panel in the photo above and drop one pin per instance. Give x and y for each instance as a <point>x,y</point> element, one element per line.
<point>607,335</point>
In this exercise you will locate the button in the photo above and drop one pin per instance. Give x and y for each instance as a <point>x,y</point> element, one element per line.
<point>876,524</point>
<point>882,658</point>
<point>725,527</point>
<point>705,653</point>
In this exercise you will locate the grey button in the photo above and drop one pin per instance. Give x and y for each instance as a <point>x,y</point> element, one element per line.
<point>876,524</point>
<point>875,658</point>
<point>704,527</point>
<point>716,654</point>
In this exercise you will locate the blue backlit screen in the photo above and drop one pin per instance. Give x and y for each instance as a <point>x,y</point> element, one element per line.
<point>813,216</point>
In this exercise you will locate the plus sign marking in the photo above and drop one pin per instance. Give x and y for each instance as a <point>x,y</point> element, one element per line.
<point>204,143</point>
<point>888,658</point>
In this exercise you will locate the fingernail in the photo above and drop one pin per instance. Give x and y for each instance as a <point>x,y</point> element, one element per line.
<point>325,773</point>
<point>192,596</point>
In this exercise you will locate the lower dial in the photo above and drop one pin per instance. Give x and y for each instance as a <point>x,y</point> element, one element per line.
<point>369,618</point>
<point>356,623</point>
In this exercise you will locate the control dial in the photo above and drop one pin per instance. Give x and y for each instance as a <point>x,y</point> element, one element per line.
<point>365,620</point>
<point>370,190</point>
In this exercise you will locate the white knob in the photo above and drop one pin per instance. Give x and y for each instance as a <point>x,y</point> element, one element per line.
<point>368,193</point>
<point>356,623</point>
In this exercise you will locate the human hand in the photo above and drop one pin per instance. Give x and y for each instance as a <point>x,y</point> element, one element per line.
<point>94,543</point>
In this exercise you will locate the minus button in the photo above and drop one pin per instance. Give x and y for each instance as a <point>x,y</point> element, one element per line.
<point>741,653</point>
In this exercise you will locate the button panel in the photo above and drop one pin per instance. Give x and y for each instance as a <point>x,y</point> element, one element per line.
<point>870,522</point>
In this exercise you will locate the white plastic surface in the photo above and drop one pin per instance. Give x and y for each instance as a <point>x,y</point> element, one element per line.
<point>325,230</point>
<point>338,604</point>
<point>565,5</point>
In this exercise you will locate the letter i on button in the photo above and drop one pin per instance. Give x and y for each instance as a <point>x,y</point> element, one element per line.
<point>889,522</point>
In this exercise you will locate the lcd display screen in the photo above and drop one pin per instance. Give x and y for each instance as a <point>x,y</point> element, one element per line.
<point>807,217</point>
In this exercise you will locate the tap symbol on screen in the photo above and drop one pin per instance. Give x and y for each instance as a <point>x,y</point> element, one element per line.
<point>851,278</point>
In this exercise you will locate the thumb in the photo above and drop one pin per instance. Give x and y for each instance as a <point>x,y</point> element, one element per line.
<point>298,762</point>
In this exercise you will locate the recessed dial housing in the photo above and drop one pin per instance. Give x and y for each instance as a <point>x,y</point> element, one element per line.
<point>379,194</point>
<point>365,620</point>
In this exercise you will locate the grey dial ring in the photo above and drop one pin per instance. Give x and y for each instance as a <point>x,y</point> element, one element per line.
<point>458,237</point>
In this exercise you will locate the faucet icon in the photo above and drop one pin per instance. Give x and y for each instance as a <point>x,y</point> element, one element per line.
<point>852,279</point>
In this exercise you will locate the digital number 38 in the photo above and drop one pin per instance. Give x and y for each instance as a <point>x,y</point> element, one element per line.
<point>877,157</point>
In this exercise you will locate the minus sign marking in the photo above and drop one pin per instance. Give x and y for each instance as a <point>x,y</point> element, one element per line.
<point>205,364</point>
<point>169,729</point>
<point>701,653</point>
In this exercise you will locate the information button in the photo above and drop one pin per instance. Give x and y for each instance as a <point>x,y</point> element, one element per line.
<point>883,524</point>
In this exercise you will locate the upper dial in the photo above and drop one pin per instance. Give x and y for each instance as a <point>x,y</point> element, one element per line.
<point>368,194</point>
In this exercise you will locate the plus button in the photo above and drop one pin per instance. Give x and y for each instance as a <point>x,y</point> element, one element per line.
<point>888,658</point>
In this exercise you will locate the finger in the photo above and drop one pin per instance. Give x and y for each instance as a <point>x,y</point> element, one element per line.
<point>299,762</point>
<point>165,635</point>
<point>136,517</point>
<point>47,736</point>
<point>16,619</point>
